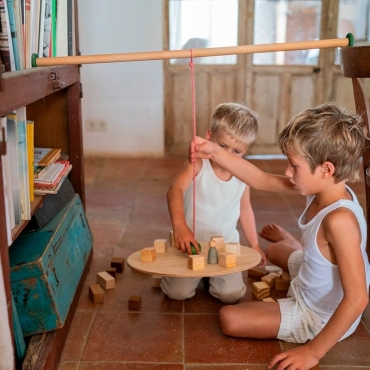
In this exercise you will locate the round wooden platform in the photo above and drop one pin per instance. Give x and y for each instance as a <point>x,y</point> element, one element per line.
<point>175,264</point>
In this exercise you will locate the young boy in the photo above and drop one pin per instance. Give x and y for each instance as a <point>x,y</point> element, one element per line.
<point>221,200</point>
<point>330,271</point>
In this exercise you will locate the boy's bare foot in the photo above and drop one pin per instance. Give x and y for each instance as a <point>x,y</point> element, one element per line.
<point>274,233</point>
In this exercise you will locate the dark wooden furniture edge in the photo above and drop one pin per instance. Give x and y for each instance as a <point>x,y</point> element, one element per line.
<point>33,84</point>
<point>44,350</point>
<point>355,64</point>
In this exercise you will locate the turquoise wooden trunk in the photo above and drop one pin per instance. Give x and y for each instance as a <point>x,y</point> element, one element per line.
<point>46,267</point>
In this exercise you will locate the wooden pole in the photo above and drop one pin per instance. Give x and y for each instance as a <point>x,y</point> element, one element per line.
<point>178,54</point>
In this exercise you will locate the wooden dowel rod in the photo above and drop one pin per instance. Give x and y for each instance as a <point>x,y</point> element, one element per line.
<point>178,54</point>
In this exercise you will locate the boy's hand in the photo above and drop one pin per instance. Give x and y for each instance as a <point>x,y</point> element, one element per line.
<point>202,148</point>
<point>300,358</point>
<point>183,237</point>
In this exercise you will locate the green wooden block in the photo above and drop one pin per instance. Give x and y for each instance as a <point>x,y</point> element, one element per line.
<point>46,267</point>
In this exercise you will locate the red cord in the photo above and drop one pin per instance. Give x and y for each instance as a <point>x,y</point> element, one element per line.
<point>191,64</point>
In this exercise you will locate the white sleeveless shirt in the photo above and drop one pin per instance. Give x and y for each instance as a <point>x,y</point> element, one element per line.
<point>319,279</point>
<point>217,205</point>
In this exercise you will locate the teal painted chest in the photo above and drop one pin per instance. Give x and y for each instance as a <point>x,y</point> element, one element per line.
<point>46,267</point>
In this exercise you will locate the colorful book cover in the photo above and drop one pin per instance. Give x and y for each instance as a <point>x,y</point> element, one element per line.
<point>17,7</point>
<point>12,149</point>
<point>45,156</point>
<point>30,151</point>
<point>23,164</point>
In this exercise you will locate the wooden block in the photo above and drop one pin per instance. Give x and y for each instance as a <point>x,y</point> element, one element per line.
<point>226,259</point>
<point>273,268</point>
<point>220,243</point>
<point>233,248</point>
<point>268,299</point>
<point>156,281</point>
<point>160,245</point>
<point>317,367</point>
<point>257,272</point>
<point>112,271</point>
<point>148,254</point>
<point>260,290</point>
<point>96,293</point>
<point>134,303</point>
<point>172,239</point>
<point>105,280</point>
<point>281,284</point>
<point>285,275</point>
<point>269,279</point>
<point>118,263</point>
<point>196,262</point>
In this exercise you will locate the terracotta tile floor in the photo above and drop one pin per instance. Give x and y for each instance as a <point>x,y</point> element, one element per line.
<point>127,210</point>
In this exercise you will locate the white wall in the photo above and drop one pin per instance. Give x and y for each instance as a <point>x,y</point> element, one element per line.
<point>127,96</point>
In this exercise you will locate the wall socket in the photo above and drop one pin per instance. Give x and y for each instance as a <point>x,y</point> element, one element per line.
<point>96,125</point>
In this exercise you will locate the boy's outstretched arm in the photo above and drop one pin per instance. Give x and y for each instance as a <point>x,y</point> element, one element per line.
<point>341,231</point>
<point>175,200</point>
<point>240,168</point>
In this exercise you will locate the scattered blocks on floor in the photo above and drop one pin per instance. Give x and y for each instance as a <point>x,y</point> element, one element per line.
<point>118,263</point>
<point>196,262</point>
<point>268,299</point>
<point>148,254</point>
<point>260,290</point>
<point>156,281</point>
<point>282,282</point>
<point>160,245</point>
<point>105,280</point>
<point>269,279</point>
<point>112,271</point>
<point>233,248</point>
<point>134,303</point>
<point>257,272</point>
<point>96,293</point>
<point>227,259</point>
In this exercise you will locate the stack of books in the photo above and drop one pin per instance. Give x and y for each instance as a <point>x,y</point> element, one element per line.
<point>49,171</point>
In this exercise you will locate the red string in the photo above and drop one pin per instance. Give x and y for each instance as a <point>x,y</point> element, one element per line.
<point>191,64</point>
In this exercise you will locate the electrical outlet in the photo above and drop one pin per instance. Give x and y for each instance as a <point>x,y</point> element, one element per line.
<point>96,125</point>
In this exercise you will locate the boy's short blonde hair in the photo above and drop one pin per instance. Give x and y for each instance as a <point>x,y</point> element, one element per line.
<point>327,133</point>
<point>235,120</point>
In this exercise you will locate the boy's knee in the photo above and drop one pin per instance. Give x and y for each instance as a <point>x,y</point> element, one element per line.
<point>230,297</point>
<point>271,250</point>
<point>227,323</point>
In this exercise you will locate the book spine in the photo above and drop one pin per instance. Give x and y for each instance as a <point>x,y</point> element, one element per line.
<point>30,150</point>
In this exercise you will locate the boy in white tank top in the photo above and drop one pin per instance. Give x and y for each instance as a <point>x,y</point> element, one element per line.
<point>221,200</point>
<point>330,269</point>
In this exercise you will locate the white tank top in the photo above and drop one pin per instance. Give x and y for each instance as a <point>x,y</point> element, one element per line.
<point>217,205</point>
<point>318,278</point>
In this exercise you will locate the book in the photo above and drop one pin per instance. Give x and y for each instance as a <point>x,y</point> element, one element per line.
<point>30,155</point>
<point>41,29</point>
<point>47,30</point>
<point>52,175</point>
<point>14,34</point>
<point>23,164</point>
<point>62,29</point>
<point>17,7</point>
<point>38,171</point>
<point>54,189</point>
<point>6,46</point>
<point>8,196</point>
<point>12,150</point>
<point>45,156</point>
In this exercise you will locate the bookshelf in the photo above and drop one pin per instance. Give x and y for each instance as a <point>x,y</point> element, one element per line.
<point>52,98</point>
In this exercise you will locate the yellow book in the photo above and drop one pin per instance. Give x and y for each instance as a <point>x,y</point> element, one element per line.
<point>30,150</point>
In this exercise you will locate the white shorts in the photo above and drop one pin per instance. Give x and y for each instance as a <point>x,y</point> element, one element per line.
<point>298,323</point>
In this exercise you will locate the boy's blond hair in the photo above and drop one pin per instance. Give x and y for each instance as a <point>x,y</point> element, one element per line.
<point>236,120</point>
<point>327,133</point>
